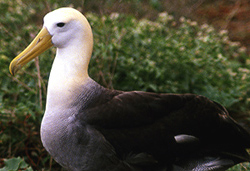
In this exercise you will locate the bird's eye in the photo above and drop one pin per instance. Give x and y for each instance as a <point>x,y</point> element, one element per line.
<point>60,24</point>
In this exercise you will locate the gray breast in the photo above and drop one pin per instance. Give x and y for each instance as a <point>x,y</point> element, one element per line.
<point>70,141</point>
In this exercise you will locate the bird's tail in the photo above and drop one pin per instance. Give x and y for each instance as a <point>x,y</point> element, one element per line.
<point>237,132</point>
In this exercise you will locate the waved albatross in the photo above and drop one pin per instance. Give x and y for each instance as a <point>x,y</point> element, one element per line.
<point>87,127</point>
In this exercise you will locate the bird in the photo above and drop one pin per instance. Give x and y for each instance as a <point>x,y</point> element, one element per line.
<point>87,127</point>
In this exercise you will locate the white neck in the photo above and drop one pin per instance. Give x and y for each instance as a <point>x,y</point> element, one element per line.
<point>69,71</point>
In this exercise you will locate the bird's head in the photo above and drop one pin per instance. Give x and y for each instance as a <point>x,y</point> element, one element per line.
<point>62,28</point>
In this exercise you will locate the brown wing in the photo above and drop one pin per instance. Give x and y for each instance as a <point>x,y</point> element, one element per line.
<point>148,123</point>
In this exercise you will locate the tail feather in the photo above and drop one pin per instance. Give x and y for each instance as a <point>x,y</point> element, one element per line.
<point>206,163</point>
<point>237,132</point>
<point>194,156</point>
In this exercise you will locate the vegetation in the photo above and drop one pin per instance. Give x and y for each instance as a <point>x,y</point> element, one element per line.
<point>164,55</point>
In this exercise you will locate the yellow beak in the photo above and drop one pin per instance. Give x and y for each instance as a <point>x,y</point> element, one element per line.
<point>41,43</point>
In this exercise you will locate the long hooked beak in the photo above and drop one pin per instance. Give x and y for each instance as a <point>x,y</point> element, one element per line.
<point>41,43</point>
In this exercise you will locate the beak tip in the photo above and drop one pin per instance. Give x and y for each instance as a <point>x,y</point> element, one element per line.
<point>12,73</point>
<point>41,43</point>
<point>13,69</point>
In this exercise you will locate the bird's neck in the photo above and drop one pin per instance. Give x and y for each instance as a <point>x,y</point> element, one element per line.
<point>69,73</point>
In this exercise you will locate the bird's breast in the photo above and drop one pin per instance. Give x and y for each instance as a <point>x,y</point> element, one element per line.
<point>65,135</point>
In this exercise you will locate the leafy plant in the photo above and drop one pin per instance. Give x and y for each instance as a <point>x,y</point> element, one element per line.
<point>163,56</point>
<point>15,164</point>
<point>240,167</point>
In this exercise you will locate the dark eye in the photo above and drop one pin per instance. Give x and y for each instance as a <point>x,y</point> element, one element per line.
<point>60,24</point>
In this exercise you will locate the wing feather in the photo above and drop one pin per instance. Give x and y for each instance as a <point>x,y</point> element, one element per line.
<point>151,124</point>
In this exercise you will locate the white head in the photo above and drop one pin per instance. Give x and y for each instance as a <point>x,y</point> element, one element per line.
<point>69,31</point>
<point>67,25</point>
